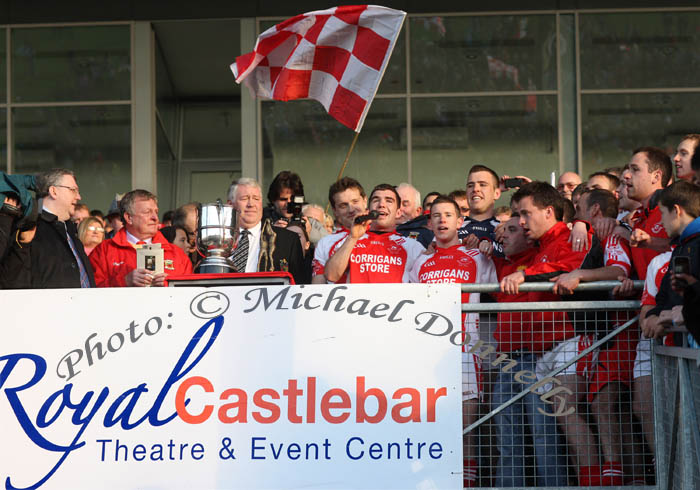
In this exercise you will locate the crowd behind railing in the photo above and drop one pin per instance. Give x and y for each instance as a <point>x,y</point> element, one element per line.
<point>630,223</point>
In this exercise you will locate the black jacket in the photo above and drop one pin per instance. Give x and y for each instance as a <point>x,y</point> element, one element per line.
<point>6,230</point>
<point>417,229</point>
<point>47,262</point>
<point>691,309</point>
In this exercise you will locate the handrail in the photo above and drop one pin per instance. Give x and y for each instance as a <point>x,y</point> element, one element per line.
<point>494,287</point>
<point>552,306</point>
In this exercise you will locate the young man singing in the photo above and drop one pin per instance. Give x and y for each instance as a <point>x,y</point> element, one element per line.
<point>453,263</point>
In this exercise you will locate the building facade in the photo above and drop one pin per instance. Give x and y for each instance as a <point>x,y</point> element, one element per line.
<point>142,95</point>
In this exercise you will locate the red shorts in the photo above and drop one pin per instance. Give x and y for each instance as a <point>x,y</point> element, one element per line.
<point>616,362</point>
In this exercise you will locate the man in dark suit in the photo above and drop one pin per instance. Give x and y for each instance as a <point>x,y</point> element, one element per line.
<point>261,246</point>
<point>50,255</point>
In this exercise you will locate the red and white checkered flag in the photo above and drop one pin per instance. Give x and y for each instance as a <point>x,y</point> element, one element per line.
<point>335,56</point>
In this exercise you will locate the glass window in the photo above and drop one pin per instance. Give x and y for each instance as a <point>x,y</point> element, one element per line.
<point>166,101</point>
<point>3,66</point>
<point>3,139</point>
<point>212,131</point>
<point>394,80</point>
<point>166,171</point>
<point>94,142</point>
<point>614,125</point>
<point>81,63</point>
<point>515,135</point>
<point>640,50</point>
<point>300,136</point>
<point>490,53</point>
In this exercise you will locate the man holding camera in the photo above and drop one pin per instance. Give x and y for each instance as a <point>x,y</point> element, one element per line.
<point>284,187</point>
<point>261,246</point>
<point>50,255</point>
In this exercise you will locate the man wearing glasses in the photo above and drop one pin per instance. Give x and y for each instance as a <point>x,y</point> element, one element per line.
<point>50,255</point>
<point>567,183</point>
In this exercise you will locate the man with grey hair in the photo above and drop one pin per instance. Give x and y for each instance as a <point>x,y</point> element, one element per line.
<point>410,202</point>
<point>315,222</point>
<point>50,255</point>
<point>567,183</point>
<point>412,223</point>
<point>114,260</point>
<point>261,246</point>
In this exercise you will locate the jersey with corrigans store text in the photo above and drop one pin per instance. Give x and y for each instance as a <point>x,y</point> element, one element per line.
<point>383,258</point>
<point>325,248</point>
<point>455,265</point>
<point>617,252</point>
<point>484,229</point>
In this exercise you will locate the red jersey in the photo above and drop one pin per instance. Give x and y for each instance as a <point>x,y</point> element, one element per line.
<point>113,259</point>
<point>456,265</point>
<point>617,253</point>
<point>649,221</point>
<point>383,258</point>
<point>655,273</point>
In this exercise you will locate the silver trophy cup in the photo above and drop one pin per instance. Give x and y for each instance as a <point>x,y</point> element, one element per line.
<point>217,235</point>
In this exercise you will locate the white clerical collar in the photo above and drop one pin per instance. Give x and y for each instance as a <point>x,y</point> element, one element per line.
<point>133,240</point>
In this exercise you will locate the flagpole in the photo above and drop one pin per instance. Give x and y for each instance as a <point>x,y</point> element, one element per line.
<point>345,163</point>
<point>347,157</point>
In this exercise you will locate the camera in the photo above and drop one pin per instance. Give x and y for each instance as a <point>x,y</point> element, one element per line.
<point>681,265</point>
<point>513,183</point>
<point>294,208</point>
<point>20,187</point>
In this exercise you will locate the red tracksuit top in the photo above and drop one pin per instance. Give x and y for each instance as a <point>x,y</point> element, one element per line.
<point>539,331</point>
<point>113,259</point>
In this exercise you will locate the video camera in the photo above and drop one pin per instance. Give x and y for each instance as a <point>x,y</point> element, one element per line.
<point>20,188</point>
<point>294,208</point>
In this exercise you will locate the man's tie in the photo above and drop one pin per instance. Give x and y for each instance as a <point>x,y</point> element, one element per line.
<point>240,255</point>
<point>84,279</point>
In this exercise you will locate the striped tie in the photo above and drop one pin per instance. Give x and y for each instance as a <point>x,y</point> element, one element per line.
<point>84,279</point>
<point>240,255</point>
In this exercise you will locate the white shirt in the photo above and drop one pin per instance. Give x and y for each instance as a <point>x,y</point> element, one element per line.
<point>253,247</point>
<point>133,240</point>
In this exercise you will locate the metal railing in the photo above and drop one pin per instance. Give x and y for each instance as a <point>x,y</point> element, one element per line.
<point>676,404</point>
<point>602,436</point>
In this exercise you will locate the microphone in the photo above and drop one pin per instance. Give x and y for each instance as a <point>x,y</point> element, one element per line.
<point>367,217</point>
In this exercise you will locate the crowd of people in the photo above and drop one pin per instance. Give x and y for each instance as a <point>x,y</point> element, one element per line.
<point>635,221</point>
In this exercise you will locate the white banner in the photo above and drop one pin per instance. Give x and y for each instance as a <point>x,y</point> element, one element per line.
<point>247,387</point>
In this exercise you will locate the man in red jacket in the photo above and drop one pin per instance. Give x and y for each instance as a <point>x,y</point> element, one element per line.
<point>551,334</point>
<point>514,339</point>
<point>114,260</point>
